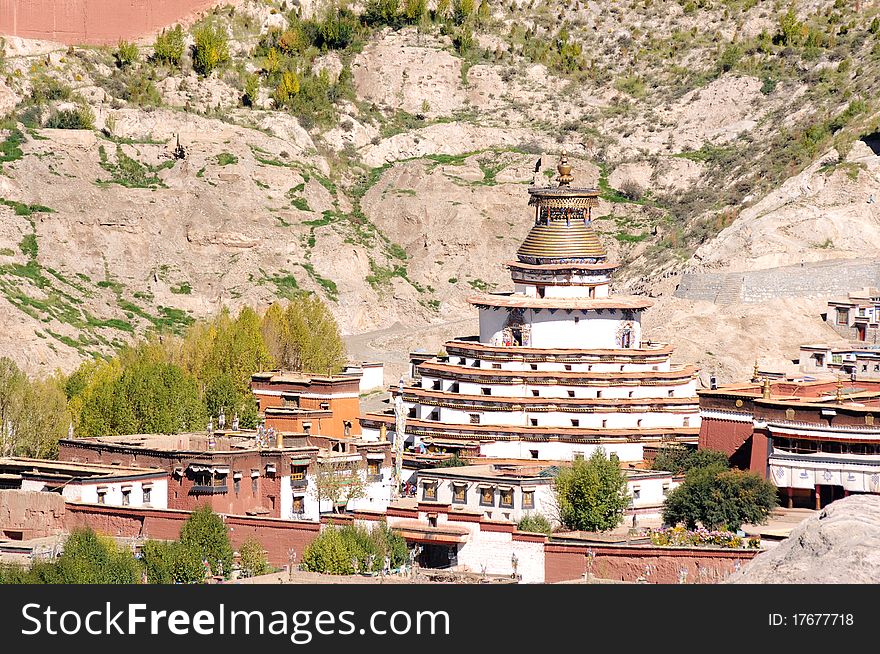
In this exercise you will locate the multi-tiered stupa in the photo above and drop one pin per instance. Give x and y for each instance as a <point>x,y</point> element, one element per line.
<point>560,366</point>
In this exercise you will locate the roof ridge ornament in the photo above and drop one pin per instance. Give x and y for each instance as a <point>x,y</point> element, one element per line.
<point>564,168</point>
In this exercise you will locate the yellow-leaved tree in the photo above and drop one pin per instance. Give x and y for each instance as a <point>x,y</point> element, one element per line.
<point>304,336</point>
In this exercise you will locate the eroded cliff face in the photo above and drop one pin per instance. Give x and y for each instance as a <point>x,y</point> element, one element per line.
<point>414,195</point>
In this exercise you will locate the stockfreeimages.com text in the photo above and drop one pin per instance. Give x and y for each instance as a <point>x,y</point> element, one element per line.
<point>300,626</point>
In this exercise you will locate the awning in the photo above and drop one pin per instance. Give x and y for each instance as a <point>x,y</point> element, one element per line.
<point>505,488</point>
<point>300,462</point>
<point>270,467</point>
<point>419,532</point>
<point>236,475</point>
<point>375,456</point>
<point>528,489</point>
<point>485,485</point>
<point>459,483</point>
<point>255,474</point>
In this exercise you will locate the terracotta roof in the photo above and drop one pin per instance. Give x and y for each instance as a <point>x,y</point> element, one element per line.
<point>584,303</point>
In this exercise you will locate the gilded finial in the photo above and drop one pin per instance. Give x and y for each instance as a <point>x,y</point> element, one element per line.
<point>755,375</point>
<point>564,168</point>
<point>838,395</point>
<point>765,392</point>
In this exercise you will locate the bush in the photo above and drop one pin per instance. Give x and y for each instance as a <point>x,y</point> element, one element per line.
<point>87,559</point>
<point>47,89</point>
<point>80,118</point>
<point>211,49</point>
<point>631,190</point>
<point>126,54</point>
<point>334,550</point>
<point>206,534</point>
<point>172,563</point>
<point>252,558</point>
<point>591,494</point>
<point>382,12</point>
<point>719,498</point>
<point>535,522</point>
<point>169,46</point>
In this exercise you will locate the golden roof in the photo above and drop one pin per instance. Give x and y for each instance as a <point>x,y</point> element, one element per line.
<point>561,239</point>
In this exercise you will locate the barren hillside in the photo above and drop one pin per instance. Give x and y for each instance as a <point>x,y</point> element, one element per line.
<point>724,136</point>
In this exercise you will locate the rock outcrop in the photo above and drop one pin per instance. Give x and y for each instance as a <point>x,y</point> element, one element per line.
<point>838,545</point>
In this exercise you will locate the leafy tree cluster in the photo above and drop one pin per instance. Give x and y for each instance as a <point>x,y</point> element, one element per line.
<point>173,384</point>
<point>33,413</point>
<point>720,498</point>
<point>334,550</point>
<point>591,493</point>
<point>678,459</point>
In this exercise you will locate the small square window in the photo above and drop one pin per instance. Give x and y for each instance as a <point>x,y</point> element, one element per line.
<point>475,418</point>
<point>429,491</point>
<point>535,392</point>
<point>102,497</point>
<point>487,496</point>
<point>528,499</point>
<point>298,505</point>
<point>575,422</point>
<point>148,494</point>
<point>486,391</point>
<point>568,366</point>
<point>533,422</point>
<point>534,366</point>
<point>533,453</point>
<point>459,494</point>
<point>506,499</point>
<point>126,498</point>
<point>571,393</point>
<point>496,366</point>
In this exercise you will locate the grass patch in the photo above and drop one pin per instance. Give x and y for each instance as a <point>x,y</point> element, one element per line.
<point>226,159</point>
<point>182,289</point>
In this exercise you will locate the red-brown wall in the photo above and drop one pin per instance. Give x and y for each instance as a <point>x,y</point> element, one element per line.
<point>93,22</point>
<point>566,562</point>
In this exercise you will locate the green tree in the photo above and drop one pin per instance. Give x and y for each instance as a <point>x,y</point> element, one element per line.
<point>678,459</point>
<point>414,11</point>
<point>484,13</point>
<point>126,54</point>
<point>251,90</point>
<point>42,418</point>
<point>169,46</point>
<point>172,563</point>
<point>333,551</point>
<point>382,12</point>
<point>211,48</point>
<point>591,494</point>
<point>791,30</point>
<point>252,558</point>
<point>535,522</point>
<point>12,384</point>
<point>287,89</point>
<point>462,10</point>
<point>206,534</point>
<point>338,482</point>
<point>88,559</point>
<point>304,336</point>
<point>720,498</point>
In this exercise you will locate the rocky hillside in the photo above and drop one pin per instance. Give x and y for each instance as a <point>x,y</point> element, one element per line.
<point>723,136</point>
<point>836,546</point>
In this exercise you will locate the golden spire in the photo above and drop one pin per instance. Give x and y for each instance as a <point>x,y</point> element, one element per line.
<point>766,389</point>
<point>755,375</point>
<point>564,169</point>
<point>838,395</point>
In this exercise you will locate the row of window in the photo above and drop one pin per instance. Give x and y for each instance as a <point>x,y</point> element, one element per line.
<point>437,385</point>
<point>477,363</point>
<point>126,495</point>
<point>803,446</point>
<point>486,495</point>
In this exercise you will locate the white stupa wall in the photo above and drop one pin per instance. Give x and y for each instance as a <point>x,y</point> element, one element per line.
<point>561,329</point>
<point>687,389</point>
